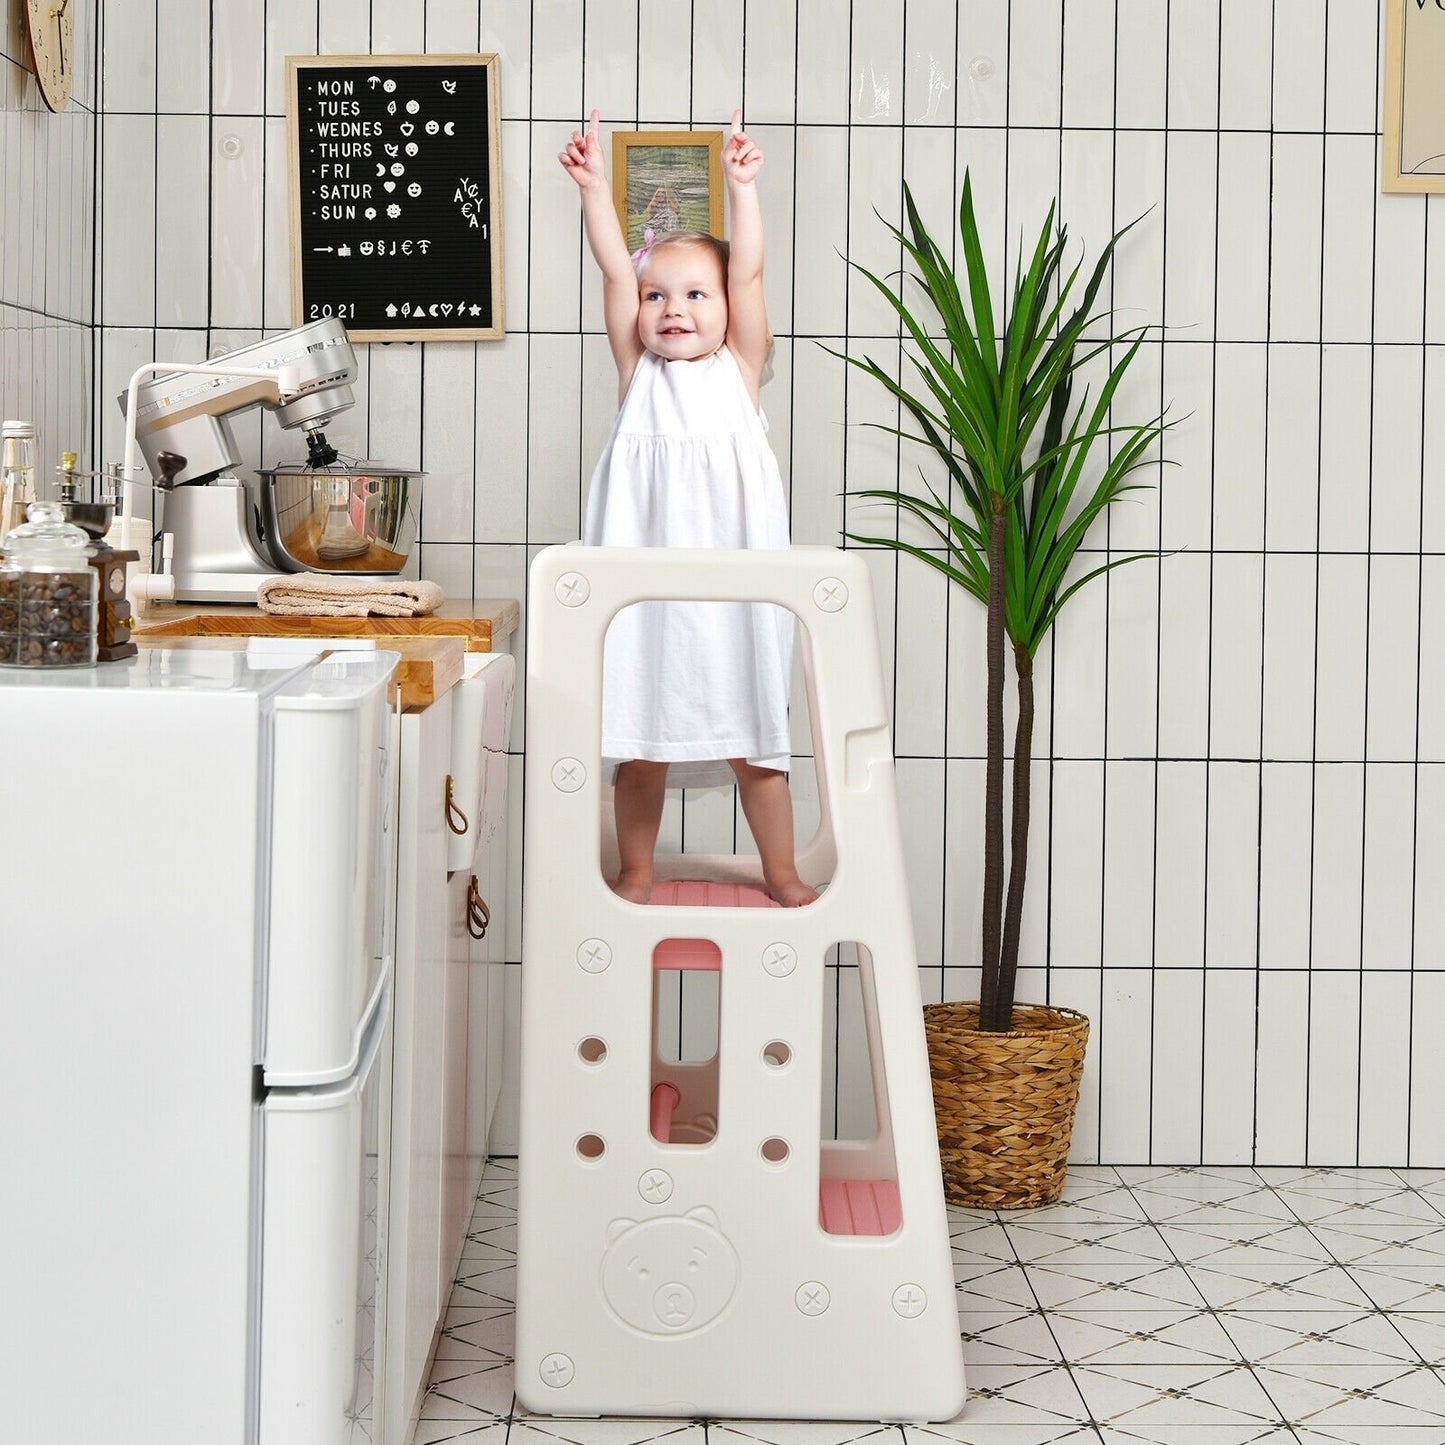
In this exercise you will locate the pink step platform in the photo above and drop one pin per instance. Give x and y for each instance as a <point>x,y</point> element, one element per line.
<point>690,893</point>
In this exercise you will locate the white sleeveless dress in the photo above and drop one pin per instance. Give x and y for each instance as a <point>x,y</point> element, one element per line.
<point>692,683</point>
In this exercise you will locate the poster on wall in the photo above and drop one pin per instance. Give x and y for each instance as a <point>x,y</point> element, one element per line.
<point>395,191</point>
<point>1413,148</point>
<point>667,180</point>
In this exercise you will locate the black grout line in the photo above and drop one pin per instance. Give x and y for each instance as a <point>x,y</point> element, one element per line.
<point>1365,688</point>
<point>1415,765</point>
<point>1098,1026</point>
<point>1213,553</point>
<point>905,126</point>
<point>1159,635</point>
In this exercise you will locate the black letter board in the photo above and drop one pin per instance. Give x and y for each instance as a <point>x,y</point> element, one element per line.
<point>396,225</point>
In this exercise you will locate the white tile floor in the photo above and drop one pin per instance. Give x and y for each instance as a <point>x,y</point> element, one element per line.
<point>1150,1306</point>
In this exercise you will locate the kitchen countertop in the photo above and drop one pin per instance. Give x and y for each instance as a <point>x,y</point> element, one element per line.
<point>480,623</point>
<point>428,666</point>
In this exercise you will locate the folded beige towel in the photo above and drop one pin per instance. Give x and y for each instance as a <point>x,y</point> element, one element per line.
<point>311,594</point>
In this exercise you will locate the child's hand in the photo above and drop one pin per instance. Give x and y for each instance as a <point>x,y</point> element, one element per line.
<point>582,159</point>
<point>742,160</point>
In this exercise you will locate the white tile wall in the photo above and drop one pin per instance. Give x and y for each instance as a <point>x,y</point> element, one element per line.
<point>47,248</point>
<point>1285,802</point>
<point>1240,753</point>
<point>1231,1096</point>
<point>1185,645</point>
<point>1282,1067</point>
<point>1246,60</point>
<point>1241,292</point>
<point>1231,870</point>
<point>1335,1010</point>
<point>1427,1063</point>
<point>1177,869</point>
<point>1174,1049</point>
<point>1290,612</point>
<point>1389,857</point>
<point>1384,1066</point>
<point>1345,441</point>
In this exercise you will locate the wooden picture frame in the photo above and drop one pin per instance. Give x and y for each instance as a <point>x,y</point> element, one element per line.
<point>670,180</point>
<point>1412,152</point>
<point>395,195</point>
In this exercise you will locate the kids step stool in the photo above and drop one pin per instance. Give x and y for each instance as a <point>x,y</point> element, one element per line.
<point>688,1241</point>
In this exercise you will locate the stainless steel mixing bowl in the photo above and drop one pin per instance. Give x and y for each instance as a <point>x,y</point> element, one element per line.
<point>355,520</point>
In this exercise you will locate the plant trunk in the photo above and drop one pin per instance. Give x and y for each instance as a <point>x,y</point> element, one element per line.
<point>989,996</point>
<point>1018,862</point>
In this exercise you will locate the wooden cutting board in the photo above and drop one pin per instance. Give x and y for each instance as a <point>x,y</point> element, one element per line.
<point>480,624</point>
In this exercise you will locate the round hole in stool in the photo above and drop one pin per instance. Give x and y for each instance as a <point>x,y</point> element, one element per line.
<point>776,1054</point>
<point>591,1147</point>
<point>592,1050</point>
<point>775,1150</point>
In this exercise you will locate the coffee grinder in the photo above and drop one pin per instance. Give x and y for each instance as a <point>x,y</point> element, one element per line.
<point>113,615</point>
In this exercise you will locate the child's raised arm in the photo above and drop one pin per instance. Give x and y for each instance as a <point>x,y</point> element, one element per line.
<point>582,160</point>
<point>748,336</point>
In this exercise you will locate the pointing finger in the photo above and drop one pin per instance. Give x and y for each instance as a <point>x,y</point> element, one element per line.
<point>737,122</point>
<point>592,125</point>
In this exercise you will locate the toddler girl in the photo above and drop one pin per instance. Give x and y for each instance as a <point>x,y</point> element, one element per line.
<point>694,693</point>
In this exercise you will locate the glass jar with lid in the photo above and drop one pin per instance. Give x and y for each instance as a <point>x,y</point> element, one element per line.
<point>48,593</point>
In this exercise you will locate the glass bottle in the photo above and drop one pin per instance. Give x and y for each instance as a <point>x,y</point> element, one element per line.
<point>48,593</point>
<point>17,473</point>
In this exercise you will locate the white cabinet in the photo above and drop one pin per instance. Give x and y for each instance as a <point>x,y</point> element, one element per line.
<point>414,1290</point>
<point>488,880</point>
<point>481,709</point>
<point>446,1065</point>
<point>458,1183</point>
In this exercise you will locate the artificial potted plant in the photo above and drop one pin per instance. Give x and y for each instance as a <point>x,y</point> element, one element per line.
<point>1025,483</point>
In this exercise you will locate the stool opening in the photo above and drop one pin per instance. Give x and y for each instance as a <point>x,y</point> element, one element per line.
<point>682,1100</point>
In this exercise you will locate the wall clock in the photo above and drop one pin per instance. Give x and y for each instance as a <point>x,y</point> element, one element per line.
<point>52,39</point>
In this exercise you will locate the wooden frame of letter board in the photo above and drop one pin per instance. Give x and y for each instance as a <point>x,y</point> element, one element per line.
<point>294,64</point>
<point>1404,106</point>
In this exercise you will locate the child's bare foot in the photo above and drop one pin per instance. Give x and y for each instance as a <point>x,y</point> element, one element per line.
<point>792,894</point>
<point>632,885</point>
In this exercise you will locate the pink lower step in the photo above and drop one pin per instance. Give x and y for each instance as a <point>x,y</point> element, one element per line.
<point>845,1206</point>
<point>859,1206</point>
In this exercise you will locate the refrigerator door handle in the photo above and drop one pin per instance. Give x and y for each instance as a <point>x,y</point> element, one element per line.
<point>325,1159</point>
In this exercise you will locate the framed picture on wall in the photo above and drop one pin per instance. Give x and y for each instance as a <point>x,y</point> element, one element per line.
<point>1413,149</point>
<point>667,180</point>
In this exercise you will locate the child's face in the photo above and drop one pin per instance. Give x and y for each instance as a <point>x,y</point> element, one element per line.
<point>683,303</point>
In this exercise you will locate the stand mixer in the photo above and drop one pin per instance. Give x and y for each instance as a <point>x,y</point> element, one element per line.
<point>179,418</point>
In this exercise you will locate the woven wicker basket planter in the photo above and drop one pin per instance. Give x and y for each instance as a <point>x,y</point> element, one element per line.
<point>1004,1103</point>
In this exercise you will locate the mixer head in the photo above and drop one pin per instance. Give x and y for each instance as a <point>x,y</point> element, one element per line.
<point>188,415</point>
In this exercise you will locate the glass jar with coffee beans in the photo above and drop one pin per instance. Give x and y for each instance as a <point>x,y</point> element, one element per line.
<point>47,593</point>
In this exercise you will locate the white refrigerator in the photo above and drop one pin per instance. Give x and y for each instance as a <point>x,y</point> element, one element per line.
<point>196,924</point>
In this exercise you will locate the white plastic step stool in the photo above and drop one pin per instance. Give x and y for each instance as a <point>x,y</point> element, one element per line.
<point>688,1241</point>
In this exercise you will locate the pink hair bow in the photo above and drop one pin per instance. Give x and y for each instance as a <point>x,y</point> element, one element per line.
<point>640,255</point>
